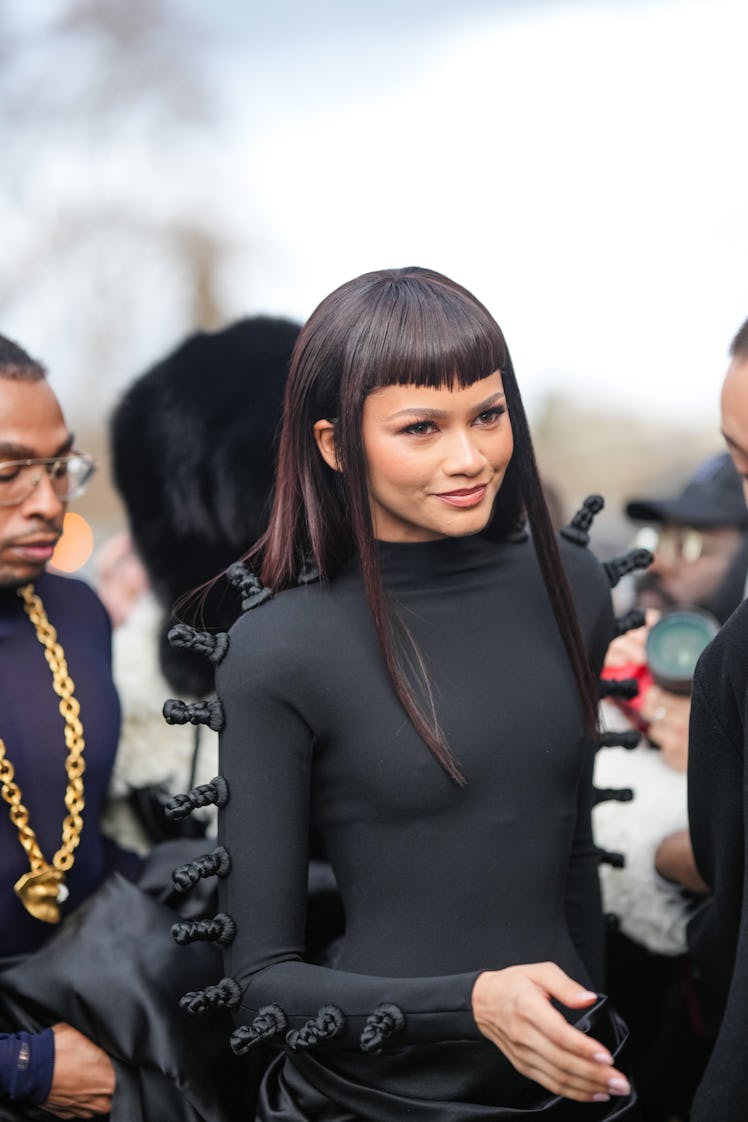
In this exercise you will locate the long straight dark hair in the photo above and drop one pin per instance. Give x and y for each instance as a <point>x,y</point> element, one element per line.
<point>407,326</point>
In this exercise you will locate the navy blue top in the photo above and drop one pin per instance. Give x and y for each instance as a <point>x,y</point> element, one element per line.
<point>34,734</point>
<point>26,1065</point>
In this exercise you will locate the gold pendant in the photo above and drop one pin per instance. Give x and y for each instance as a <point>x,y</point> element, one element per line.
<point>41,892</point>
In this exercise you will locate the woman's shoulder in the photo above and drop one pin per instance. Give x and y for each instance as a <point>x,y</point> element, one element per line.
<point>584,569</point>
<point>580,563</point>
<point>293,621</point>
<point>591,592</point>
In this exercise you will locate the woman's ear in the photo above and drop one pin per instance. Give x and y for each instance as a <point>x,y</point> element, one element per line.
<point>324,434</point>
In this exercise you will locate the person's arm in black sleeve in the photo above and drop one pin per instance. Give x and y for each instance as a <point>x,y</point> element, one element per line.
<point>583,897</point>
<point>591,591</point>
<point>266,755</point>
<point>715,809</point>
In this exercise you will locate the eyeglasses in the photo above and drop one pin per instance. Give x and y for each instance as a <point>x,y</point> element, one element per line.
<point>676,544</point>
<point>69,476</point>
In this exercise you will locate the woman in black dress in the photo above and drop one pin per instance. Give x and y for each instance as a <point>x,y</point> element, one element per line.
<point>416,684</point>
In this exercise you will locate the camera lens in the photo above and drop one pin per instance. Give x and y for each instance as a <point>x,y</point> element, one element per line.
<point>674,644</point>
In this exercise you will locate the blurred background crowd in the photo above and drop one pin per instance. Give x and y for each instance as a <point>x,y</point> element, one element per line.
<point>171,168</point>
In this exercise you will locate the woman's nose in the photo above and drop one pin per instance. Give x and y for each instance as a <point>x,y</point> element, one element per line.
<point>463,455</point>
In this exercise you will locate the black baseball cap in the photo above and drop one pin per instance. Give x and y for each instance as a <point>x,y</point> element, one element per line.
<point>712,499</point>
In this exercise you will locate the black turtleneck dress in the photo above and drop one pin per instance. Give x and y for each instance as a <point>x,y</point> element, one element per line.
<point>438,881</point>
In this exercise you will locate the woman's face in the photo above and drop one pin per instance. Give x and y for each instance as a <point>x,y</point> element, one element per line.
<point>436,458</point>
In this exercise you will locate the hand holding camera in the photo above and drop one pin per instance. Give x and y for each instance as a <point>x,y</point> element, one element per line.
<point>662,657</point>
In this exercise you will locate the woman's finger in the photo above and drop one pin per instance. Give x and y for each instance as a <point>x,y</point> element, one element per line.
<point>513,1009</point>
<point>567,1070</point>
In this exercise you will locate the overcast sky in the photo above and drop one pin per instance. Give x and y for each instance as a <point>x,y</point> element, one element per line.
<point>581,166</point>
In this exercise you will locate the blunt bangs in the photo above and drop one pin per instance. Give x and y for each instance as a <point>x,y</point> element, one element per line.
<point>419,328</point>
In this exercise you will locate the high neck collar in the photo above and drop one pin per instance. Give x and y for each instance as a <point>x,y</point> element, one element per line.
<point>427,563</point>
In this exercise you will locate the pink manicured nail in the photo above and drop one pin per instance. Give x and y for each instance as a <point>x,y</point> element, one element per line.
<point>586,995</point>
<point>602,1058</point>
<point>619,1086</point>
<point>600,1098</point>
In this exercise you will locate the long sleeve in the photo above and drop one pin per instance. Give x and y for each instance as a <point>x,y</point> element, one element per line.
<point>583,896</point>
<point>715,803</point>
<point>26,1065</point>
<point>266,753</point>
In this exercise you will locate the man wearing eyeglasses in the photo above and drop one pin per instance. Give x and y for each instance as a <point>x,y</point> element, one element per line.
<point>57,698</point>
<point>699,542</point>
<point>699,539</point>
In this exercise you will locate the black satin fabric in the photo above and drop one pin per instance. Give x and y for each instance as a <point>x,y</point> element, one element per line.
<point>297,1088</point>
<point>114,972</point>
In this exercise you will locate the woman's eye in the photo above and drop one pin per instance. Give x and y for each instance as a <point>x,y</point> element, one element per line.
<point>9,473</point>
<point>490,416</point>
<point>420,428</point>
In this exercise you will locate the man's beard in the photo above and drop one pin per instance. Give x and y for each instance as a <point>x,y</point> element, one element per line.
<point>9,584</point>
<point>11,579</point>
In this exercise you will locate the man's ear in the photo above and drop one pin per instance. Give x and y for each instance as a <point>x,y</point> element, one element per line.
<point>324,434</point>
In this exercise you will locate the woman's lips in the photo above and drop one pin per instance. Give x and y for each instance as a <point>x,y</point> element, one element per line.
<point>471,496</point>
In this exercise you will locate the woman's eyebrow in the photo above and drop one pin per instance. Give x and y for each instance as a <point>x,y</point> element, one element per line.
<point>440,414</point>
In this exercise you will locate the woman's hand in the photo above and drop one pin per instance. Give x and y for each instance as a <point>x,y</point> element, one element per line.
<point>512,1008</point>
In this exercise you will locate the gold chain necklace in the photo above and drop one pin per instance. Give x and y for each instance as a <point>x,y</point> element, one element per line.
<point>42,890</point>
